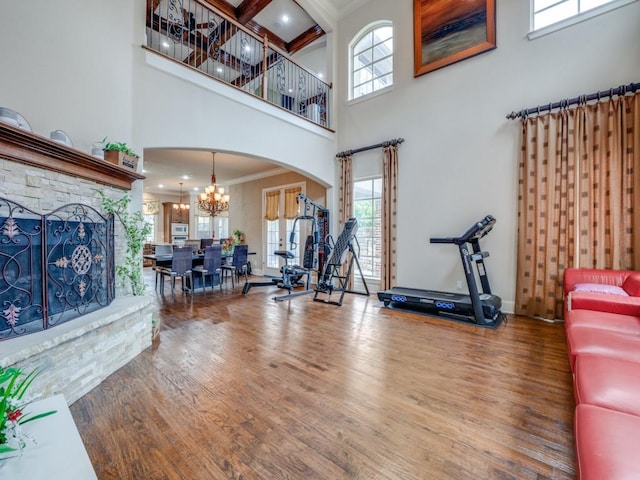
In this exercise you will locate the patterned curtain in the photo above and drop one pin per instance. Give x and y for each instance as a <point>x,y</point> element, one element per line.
<point>609,135</point>
<point>345,208</point>
<point>291,202</point>
<point>389,221</point>
<point>576,203</point>
<point>272,204</point>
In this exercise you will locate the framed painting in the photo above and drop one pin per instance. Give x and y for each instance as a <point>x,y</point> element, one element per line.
<point>447,31</point>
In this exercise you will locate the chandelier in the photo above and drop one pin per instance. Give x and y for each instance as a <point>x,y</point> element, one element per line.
<point>181,206</point>
<point>213,201</point>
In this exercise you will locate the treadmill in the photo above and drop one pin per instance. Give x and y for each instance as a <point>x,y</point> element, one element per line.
<point>481,308</point>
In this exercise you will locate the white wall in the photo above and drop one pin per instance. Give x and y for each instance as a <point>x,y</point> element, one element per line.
<point>68,65</point>
<point>78,66</point>
<point>459,161</point>
<point>314,57</point>
<point>178,108</point>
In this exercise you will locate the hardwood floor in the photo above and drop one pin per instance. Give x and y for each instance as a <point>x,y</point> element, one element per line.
<point>242,387</point>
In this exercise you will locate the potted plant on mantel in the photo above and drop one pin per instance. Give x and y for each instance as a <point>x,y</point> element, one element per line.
<point>119,153</point>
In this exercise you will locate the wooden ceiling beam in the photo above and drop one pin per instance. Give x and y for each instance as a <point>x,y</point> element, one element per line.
<point>225,7</point>
<point>261,31</point>
<point>249,9</point>
<point>152,5</point>
<point>304,39</point>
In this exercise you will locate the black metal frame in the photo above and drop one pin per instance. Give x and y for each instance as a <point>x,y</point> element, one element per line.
<point>344,248</point>
<point>53,267</point>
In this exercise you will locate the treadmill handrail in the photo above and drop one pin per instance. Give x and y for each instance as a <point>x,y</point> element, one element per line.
<point>443,240</point>
<point>475,232</point>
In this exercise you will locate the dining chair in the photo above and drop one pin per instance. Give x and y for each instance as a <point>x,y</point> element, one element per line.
<point>205,242</point>
<point>211,267</point>
<point>238,263</point>
<point>180,267</point>
<point>194,244</point>
<point>159,250</point>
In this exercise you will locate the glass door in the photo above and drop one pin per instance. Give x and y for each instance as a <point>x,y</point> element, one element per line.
<point>277,231</point>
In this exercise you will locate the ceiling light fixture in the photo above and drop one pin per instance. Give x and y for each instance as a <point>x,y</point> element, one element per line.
<point>285,18</point>
<point>213,201</point>
<point>181,205</point>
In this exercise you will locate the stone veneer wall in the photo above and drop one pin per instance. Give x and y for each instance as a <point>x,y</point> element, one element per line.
<point>78,355</point>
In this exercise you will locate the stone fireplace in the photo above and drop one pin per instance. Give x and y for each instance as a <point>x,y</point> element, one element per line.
<point>59,309</point>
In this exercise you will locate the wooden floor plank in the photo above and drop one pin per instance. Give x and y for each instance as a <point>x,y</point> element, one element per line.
<point>242,387</point>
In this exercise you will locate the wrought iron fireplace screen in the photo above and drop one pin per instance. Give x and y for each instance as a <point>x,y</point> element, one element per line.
<point>53,267</point>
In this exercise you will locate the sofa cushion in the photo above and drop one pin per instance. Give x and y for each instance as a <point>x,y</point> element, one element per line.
<point>603,302</point>
<point>608,382</point>
<point>581,340</point>
<point>600,288</point>
<point>613,322</point>
<point>607,444</point>
<point>573,276</point>
<point>632,285</point>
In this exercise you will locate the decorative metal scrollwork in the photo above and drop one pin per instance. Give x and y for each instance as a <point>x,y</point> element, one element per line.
<point>245,56</point>
<point>302,86</point>
<point>175,20</point>
<point>53,267</point>
<point>213,35</point>
<point>281,76</point>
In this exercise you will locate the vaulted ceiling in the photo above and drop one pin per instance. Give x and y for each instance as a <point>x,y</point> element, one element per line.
<point>267,17</point>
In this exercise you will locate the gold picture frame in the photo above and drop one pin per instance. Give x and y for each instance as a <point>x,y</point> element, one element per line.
<point>448,31</point>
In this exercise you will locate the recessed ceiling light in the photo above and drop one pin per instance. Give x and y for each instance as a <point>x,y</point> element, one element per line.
<point>321,75</point>
<point>247,48</point>
<point>290,90</point>
<point>160,185</point>
<point>185,177</point>
<point>285,18</point>
<point>195,189</point>
<point>219,70</point>
<point>165,44</point>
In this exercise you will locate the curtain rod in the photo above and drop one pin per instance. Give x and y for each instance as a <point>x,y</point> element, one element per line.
<point>347,153</point>
<point>621,90</point>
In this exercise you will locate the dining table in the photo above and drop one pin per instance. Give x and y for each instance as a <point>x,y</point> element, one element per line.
<point>165,260</point>
<point>197,259</point>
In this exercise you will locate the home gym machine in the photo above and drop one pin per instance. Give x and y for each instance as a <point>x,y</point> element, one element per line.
<point>315,252</point>
<point>342,251</point>
<point>481,308</point>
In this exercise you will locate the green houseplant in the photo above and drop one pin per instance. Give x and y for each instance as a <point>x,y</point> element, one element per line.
<point>120,153</point>
<point>239,236</point>
<point>13,387</point>
<point>136,231</point>
<point>119,147</point>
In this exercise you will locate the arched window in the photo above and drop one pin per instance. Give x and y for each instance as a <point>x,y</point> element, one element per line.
<point>371,59</point>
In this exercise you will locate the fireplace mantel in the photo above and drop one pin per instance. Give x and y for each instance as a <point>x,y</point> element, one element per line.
<point>38,151</point>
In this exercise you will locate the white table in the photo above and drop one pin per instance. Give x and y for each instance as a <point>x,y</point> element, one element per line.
<point>59,454</point>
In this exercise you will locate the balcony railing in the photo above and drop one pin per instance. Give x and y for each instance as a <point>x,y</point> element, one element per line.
<point>208,40</point>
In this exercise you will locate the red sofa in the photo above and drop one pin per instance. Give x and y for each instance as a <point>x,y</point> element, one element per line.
<point>615,291</point>
<point>602,324</point>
